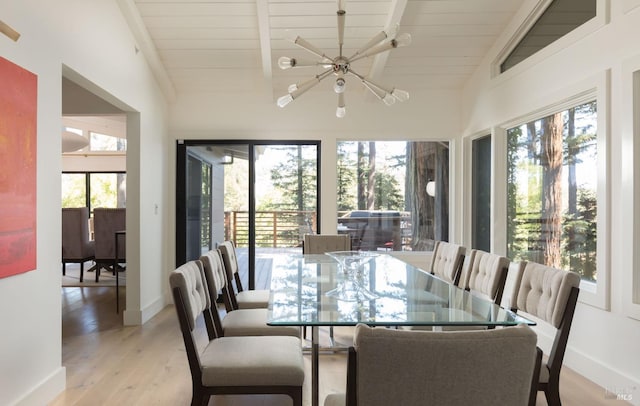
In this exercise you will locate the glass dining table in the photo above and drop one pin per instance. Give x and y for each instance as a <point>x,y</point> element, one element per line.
<point>375,289</point>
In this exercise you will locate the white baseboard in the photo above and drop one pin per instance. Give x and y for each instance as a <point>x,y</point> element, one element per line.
<point>45,391</point>
<point>139,317</point>
<point>617,386</point>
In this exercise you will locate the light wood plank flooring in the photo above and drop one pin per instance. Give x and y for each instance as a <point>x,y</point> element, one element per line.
<point>108,364</point>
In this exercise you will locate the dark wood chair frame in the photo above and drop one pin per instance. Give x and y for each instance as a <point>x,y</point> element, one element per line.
<point>558,348</point>
<point>201,393</point>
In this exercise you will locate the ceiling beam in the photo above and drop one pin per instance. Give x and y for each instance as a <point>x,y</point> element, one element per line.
<point>396,12</point>
<point>262,10</point>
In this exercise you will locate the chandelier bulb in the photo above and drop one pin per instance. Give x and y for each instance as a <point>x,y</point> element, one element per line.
<point>338,87</point>
<point>388,99</point>
<point>341,111</point>
<point>284,100</point>
<point>284,62</point>
<point>401,95</point>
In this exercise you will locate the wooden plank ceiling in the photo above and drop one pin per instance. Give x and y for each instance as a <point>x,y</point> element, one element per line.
<point>222,46</point>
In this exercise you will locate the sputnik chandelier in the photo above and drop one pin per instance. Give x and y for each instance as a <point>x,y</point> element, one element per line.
<point>340,66</point>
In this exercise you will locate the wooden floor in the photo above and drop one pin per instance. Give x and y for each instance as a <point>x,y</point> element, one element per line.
<point>108,364</point>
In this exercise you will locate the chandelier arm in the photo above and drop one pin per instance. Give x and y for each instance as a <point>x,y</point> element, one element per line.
<point>380,92</point>
<point>306,45</point>
<point>378,38</point>
<point>400,41</point>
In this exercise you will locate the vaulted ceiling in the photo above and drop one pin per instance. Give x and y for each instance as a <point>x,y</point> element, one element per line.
<point>222,46</point>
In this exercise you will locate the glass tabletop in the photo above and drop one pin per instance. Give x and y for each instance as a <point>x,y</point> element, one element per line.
<point>315,290</point>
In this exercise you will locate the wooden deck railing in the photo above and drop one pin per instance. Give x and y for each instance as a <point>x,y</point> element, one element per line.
<point>285,229</point>
<point>273,228</point>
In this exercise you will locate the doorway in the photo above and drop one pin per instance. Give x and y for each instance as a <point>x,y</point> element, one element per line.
<point>263,195</point>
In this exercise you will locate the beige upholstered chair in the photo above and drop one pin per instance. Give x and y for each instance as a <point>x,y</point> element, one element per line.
<point>240,298</point>
<point>551,295</point>
<point>458,368</point>
<point>240,322</point>
<point>231,365</point>
<point>106,221</point>
<point>321,243</point>
<point>485,275</point>
<point>76,245</point>
<point>446,261</point>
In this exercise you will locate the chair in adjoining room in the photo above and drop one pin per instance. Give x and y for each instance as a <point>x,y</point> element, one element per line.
<point>77,247</point>
<point>237,322</point>
<point>550,294</point>
<point>231,365</point>
<point>240,298</point>
<point>106,222</point>
<point>456,368</point>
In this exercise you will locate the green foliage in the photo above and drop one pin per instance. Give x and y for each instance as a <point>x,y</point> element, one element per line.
<point>525,192</point>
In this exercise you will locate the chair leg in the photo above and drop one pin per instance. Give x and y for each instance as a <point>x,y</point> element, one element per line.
<point>64,268</point>
<point>552,393</point>
<point>81,271</point>
<point>296,396</point>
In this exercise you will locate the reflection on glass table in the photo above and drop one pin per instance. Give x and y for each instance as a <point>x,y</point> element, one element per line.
<point>313,290</point>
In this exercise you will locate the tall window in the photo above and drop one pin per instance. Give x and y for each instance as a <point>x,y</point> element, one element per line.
<point>393,195</point>
<point>551,192</point>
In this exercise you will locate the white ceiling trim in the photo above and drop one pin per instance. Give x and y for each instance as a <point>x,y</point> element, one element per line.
<point>265,38</point>
<point>395,15</point>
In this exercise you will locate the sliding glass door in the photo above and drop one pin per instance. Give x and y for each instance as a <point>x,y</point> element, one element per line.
<point>262,195</point>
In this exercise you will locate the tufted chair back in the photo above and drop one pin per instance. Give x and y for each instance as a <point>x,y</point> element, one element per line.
<point>543,291</point>
<point>447,261</point>
<point>215,277</point>
<point>189,280</point>
<point>485,274</point>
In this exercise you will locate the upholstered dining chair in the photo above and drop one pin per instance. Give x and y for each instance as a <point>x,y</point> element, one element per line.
<point>458,368</point>
<point>240,298</point>
<point>322,243</point>
<point>231,365</point>
<point>485,275</point>
<point>106,221</point>
<point>549,294</point>
<point>237,322</point>
<point>446,261</point>
<point>76,245</point>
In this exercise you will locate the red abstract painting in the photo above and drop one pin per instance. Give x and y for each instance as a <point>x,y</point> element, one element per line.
<point>18,118</point>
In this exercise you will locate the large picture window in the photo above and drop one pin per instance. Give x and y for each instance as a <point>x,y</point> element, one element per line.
<point>551,193</point>
<point>393,195</point>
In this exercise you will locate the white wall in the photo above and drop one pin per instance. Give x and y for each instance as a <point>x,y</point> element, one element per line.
<point>92,40</point>
<point>603,345</point>
<point>428,115</point>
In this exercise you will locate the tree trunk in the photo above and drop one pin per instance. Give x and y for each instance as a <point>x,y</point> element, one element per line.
<point>371,181</point>
<point>361,177</point>
<point>420,204</point>
<point>551,162</point>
